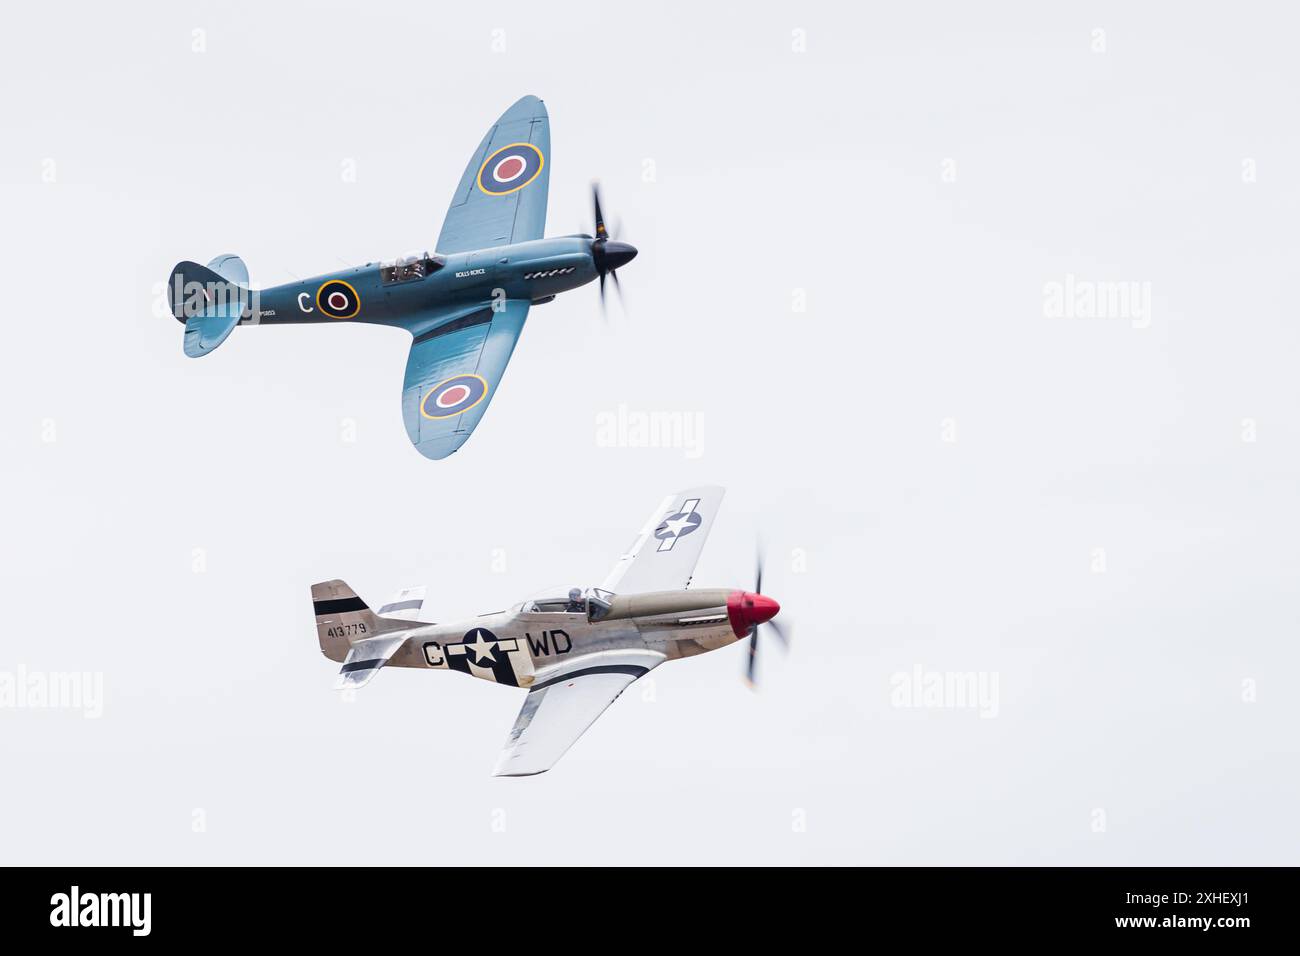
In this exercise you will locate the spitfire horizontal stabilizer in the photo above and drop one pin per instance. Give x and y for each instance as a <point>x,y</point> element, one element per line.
<point>210,300</point>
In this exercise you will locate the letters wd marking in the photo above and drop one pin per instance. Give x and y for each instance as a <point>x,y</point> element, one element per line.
<point>488,652</point>
<point>549,643</point>
<point>337,299</point>
<point>456,395</point>
<point>678,525</point>
<point>510,169</point>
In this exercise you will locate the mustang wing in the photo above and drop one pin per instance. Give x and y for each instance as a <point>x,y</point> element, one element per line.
<point>562,704</point>
<point>456,361</point>
<point>502,195</point>
<point>664,554</point>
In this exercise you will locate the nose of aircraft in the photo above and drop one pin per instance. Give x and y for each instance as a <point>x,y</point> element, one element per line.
<point>618,254</point>
<point>746,611</point>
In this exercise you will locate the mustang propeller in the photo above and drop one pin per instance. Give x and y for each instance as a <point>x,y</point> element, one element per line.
<point>755,610</point>
<point>608,254</point>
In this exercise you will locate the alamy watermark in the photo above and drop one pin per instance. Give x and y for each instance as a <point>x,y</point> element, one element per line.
<point>945,690</point>
<point>1077,298</point>
<point>53,690</point>
<point>630,428</point>
<point>75,908</point>
<point>192,299</point>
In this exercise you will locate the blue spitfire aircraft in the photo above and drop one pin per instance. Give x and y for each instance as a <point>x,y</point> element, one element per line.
<point>464,306</point>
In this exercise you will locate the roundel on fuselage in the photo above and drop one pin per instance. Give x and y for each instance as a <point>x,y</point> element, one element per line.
<point>338,299</point>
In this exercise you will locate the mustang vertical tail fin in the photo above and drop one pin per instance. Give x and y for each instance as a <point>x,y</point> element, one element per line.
<point>343,619</point>
<point>210,300</point>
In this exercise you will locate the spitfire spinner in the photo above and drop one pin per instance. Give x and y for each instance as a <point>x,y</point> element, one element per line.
<point>574,652</point>
<point>464,306</point>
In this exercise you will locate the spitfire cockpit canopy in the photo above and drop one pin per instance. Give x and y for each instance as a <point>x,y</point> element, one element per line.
<point>410,268</point>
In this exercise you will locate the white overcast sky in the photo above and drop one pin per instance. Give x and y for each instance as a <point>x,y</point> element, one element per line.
<point>921,173</point>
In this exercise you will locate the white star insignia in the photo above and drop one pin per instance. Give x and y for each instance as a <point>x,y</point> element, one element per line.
<point>482,649</point>
<point>675,525</point>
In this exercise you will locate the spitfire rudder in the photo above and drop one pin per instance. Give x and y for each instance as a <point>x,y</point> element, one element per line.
<point>210,300</point>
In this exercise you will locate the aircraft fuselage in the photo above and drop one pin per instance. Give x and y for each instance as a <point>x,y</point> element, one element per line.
<point>518,647</point>
<point>404,293</point>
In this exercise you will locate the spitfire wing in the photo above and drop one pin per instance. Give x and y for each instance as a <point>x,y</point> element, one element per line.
<point>364,660</point>
<point>456,361</point>
<point>561,705</point>
<point>664,554</point>
<point>502,195</point>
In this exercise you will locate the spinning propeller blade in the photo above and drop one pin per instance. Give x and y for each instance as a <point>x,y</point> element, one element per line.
<point>601,232</point>
<point>608,254</point>
<point>780,631</point>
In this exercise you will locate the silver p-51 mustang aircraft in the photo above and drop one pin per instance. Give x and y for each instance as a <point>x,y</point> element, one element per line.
<point>575,652</point>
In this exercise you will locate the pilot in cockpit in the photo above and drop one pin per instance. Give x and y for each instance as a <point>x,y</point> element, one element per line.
<point>576,604</point>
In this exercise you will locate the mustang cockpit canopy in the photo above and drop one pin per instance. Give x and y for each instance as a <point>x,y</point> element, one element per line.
<point>599,602</point>
<point>594,602</point>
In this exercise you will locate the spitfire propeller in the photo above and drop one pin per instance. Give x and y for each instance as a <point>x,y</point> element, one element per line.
<point>608,254</point>
<point>761,610</point>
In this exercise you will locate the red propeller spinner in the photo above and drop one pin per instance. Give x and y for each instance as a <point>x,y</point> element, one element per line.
<point>746,611</point>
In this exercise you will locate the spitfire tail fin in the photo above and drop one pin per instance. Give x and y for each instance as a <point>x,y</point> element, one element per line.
<point>210,300</point>
<point>343,619</point>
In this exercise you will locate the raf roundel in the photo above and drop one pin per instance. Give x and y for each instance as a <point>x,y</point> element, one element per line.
<point>510,168</point>
<point>338,299</point>
<point>454,396</point>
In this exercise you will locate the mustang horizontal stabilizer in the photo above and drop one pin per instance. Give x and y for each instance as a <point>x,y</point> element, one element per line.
<point>406,603</point>
<point>563,703</point>
<point>365,658</point>
<point>664,554</point>
<point>347,630</point>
